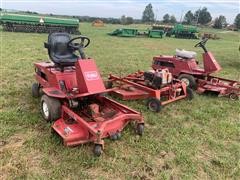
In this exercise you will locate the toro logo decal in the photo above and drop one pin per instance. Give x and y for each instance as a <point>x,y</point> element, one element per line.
<point>91,75</point>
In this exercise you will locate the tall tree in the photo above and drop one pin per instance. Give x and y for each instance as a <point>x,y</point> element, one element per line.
<point>129,20</point>
<point>189,17</point>
<point>220,22</point>
<point>123,19</point>
<point>173,20</point>
<point>148,14</point>
<point>202,16</point>
<point>237,21</point>
<point>126,20</point>
<point>166,18</point>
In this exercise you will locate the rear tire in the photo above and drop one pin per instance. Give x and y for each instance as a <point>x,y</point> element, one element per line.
<point>35,90</point>
<point>189,80</point>
<point>154,104</point>
<point>50,108</point>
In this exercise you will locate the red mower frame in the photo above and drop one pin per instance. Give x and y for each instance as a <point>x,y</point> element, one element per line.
<point>72,97</point>
<point>133,87</point>
<point>188,70</point>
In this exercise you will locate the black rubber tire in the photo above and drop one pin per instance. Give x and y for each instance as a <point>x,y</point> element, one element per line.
<point>190,94</point>
<point>108,84</point>
<point>140,129</point>
<point>35,90</point>
<point>97,150</point>
<point>114,137</point>
<point>54,108</point>
<point>154,105</point>
<point>234,97</point>
<point>191,79</point>
<point>118,135</point>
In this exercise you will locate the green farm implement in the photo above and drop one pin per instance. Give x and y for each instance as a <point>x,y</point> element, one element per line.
<point>124,32</point>
<point>17,22</point>
<point>185,32</point>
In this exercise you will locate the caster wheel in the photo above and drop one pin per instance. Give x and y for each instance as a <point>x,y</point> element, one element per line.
<point>118,135</point>
<point>108,84</point>
<point>114,137</point>
<point>97,150</point>
<point>234,97</point>
<point>190,94</point>
<point>140,129</point>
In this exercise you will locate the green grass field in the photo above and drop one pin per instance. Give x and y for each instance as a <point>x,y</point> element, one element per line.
<point>186,140</point>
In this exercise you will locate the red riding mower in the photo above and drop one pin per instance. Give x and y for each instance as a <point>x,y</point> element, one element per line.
<point>158,87</point>
<point>185,67</point>
<point>72,96</point>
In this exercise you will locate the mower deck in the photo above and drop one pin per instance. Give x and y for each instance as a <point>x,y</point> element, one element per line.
<point>133,87</point>
<point>224,87</point>
<point>105,119</point>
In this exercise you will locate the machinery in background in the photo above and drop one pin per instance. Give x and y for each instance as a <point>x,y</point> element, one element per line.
<point>127,32</point>
<point>157,86</point>
<point>16,22</point>
<point>178,30</point>
<point>185,67</point>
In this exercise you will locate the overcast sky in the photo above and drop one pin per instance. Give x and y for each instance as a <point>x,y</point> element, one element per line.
<point>117,8</point>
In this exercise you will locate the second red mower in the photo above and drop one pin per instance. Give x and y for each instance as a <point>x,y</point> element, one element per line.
<point>158,87</point>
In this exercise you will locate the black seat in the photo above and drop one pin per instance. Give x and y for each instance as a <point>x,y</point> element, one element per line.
<point>59,51</point>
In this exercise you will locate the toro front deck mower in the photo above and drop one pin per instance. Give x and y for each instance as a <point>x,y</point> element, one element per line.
<point>158,87</point>
<point>185,67</point>
<point>73,98</point>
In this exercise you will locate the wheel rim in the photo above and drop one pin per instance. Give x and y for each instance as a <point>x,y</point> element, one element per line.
<point>186,81</point>
<point>45,109</point>
<point>152,106</point>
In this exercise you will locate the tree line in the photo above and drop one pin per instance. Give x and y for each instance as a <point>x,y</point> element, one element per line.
<point>199,17</point>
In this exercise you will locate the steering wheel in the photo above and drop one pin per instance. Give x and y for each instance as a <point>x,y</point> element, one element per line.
<point>77,45</point>
<point>201,43</point>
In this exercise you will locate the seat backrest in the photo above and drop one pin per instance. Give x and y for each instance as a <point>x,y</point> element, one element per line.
<point>58,49</point>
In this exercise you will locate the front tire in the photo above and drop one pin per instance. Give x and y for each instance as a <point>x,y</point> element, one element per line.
<point>35,90</point>
<point>50,108</point>
<point>189,80</point>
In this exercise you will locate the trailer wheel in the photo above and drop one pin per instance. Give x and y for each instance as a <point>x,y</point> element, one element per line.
<point>190,94</point>
<point>35,90</point>
<point>140,129</point>
<point>234,96</point>
<point>97,150</point>
<point>189,80</point>
<point>50,108</point>
<point>154,104</point>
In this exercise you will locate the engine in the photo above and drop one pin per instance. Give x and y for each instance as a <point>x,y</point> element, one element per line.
<point>158,78</point>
